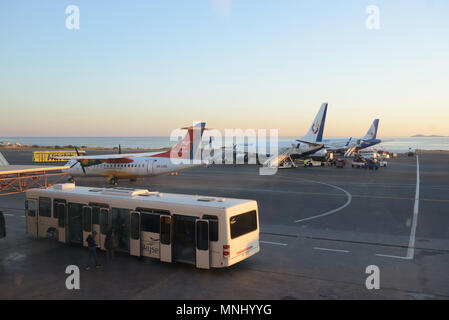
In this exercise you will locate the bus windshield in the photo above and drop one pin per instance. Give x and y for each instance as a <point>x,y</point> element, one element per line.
<point>243,223</point>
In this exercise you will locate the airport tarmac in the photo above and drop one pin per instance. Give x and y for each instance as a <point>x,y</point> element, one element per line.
<point>320,229</point>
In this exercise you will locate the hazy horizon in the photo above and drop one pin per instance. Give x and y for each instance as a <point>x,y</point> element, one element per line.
<point>143,68</point>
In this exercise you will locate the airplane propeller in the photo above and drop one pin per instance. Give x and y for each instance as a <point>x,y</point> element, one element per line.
<point>78,154</point>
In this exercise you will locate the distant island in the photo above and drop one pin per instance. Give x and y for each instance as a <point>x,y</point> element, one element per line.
<point>428,136</point>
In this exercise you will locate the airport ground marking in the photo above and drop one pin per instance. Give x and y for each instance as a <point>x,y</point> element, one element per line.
<point>277,243</point>
<point>348,195</point>
<point>394,257</point>
<point>320,194</point>
<point>411,244</point>
<point>333,250</point>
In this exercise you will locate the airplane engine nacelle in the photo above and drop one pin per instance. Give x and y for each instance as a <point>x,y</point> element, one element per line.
<point>320,153</point>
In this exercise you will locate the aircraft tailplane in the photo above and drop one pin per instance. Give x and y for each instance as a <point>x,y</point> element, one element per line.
<point>189,146</point>
<point>315,133</point>
<point>372,132</point>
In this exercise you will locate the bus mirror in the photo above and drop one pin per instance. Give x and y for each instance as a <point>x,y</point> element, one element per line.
<point>2,226</point>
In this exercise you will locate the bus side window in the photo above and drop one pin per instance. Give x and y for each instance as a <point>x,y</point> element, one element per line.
<point>135,232</point>
<point>165,230</point>
<point>95,214</point>
<point>44,207</point>
<point>150,222</point>
<point>104,221</point>
<point>57,202</point>
<point>202,241</point>
<point>60,214</point>
<point>213,227</point>
<point>150,219</point>
<point>87,219</point>
<point>30,208</point>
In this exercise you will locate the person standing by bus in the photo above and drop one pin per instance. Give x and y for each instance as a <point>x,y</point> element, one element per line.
<point>92,250</point>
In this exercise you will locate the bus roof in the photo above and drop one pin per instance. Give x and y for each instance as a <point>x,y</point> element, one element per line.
<point>140,195</point>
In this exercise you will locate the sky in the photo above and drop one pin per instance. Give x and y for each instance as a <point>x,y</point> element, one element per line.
<point>144,68</point>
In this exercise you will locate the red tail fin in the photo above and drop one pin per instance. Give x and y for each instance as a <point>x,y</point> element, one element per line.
<point>189,146</point>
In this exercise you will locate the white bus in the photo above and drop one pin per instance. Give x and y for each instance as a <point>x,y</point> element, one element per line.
<point>204,231</point>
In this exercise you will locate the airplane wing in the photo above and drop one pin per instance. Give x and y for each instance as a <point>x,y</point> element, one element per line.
<point>310,143</point>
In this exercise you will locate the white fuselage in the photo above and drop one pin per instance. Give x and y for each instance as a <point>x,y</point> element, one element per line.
<point>293,147</point>
<point>133,168</point>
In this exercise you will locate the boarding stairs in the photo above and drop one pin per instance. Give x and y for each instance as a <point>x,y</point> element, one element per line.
<point>280,160</point>
<point>350,151</point>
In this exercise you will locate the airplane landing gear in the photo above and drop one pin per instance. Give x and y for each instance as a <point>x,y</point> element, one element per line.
<point>113,181</point>
<point>71,180</point>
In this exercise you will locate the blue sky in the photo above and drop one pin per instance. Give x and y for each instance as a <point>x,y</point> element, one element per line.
<point>142,68</point>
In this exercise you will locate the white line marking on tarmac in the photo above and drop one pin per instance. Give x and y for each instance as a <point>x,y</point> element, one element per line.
<point>269,242</point>
<point>390,256</point>
<point>334,250</point>
<point>411,244</point>
<point>331,211</point>
<point>8,214</point>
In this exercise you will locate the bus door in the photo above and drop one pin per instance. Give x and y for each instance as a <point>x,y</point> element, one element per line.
<point>96,223</point>
<point>134,242</point>
<point>104,226</point>
<point>120,221</point>
<point>166,238</point>
<point>31,216</point>
<point>87,224</point>
<point>202,244</point>
<point>184,239</point>
<point>61,213</point>
<point>74,223</point>
<point>150,234</point>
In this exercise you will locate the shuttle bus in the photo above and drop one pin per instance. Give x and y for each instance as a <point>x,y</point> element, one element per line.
<point>203,231</point>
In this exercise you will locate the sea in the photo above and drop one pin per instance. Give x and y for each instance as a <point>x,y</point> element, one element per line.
<point>392,144</point>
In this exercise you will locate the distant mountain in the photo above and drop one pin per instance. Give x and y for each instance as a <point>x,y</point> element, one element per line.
<point>427,136</point>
